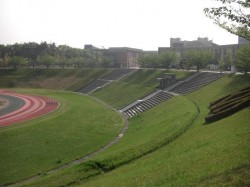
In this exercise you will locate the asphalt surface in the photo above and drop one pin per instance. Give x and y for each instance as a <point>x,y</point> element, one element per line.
<point>14,103</point>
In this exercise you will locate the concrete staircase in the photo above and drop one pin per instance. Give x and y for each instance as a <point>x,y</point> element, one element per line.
<point>195,83</point>
<point>105,80</point>
<point>146,103</point>
<point>191,84</point>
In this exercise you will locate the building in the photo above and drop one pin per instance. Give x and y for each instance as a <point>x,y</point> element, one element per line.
<point>220,51</point>
<point>125,57</point>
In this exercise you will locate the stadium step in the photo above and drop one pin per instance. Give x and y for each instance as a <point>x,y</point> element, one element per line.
<point>148,103</point>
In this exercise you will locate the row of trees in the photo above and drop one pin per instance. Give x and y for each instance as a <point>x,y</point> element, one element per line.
<point>58,61</point>
<point>162,60</point>
<point>169,59</point>
<point>44,54</point>
<point>198,59</point>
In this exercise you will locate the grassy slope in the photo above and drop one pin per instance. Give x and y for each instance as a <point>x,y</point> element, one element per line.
<point>147,132</point>
<point>70,79</point>
<point>81,126</point>
<point>121,93</point>
<point>215,154</point>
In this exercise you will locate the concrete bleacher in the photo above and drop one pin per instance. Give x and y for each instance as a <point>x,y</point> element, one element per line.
<point>117,74</point>
<point>147,103</point>
<point>195,83</point>
<point>191,84</point>
<point>103,81</point>
<point>91,87</point>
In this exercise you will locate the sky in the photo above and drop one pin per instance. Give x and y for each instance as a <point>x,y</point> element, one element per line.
<point>142,24</point>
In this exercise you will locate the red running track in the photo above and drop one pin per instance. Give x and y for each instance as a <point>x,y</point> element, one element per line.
<point>35,106</point>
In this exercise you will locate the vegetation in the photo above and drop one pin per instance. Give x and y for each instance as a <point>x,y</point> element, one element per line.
<point>44,54</point>
<point>197,58</point>
<point>80,126</point>
<point>17,61</point>
<point>203,155</point>
<point>232,16</point>
<point>167,145</point>
<point>162,60</point>
<point>243,58</point>
<point>147,133</point>
<point>60,79</point>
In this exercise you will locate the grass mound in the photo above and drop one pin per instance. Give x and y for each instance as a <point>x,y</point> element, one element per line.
<point>82,125</point>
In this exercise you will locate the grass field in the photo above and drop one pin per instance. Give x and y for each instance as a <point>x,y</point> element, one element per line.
<point>206,155</point>
<point>60,79</point>
<point>169,145</point>
<point>136,86</point>
<point>80,126</point>
<point>147,132</point>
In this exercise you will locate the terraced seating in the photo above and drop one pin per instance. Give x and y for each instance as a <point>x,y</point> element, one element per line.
<point>147,103</point>
<point>117,74</point>
<point>195,83</point>
<point>93,86</point>
<point>98,83</point>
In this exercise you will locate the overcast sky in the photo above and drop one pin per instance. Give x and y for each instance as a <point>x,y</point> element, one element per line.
<point>143,24</point>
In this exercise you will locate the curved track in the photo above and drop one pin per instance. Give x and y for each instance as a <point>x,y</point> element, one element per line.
<point>24,107</point>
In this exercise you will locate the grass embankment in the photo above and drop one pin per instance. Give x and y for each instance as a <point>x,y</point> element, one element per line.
<point>147,132</point>
<point>60,79</point>
<point>206,155</point>
<point>136,86</point>
<point>80,126</point>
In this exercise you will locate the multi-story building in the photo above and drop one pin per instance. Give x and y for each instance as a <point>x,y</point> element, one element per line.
<point>122,57</point>
<point>220,51</point>
<point>125,57</point>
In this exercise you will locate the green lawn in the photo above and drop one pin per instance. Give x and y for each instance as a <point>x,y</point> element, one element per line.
<point>147,133</point>
<point>80,126</point>
<point>169,145</point>
<point>136,86</point>
<point>206,155</point>
<point>119,94</point>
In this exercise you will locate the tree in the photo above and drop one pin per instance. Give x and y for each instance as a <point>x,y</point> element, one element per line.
<point>77,61</point>
<point>232,16</point>
<point>150,61</point>
<point>46,60</point>
<point>243,58</point>
<point>17,61</point>
<point>229,57</point>
<point>62,61</point>
<point>106,62</point>
<point>167,59</point>
<point>222,64</point>
<point>198,58</point>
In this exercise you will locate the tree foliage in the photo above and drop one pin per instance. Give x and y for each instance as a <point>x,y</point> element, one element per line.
<point>198,58</point>
<point>162,60</point>
<point>168,59</point>
<point>232,16</point>
<point>47,60</point>
<point>17,61</point>
<point>47,54</point>
<point>243,58</point>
